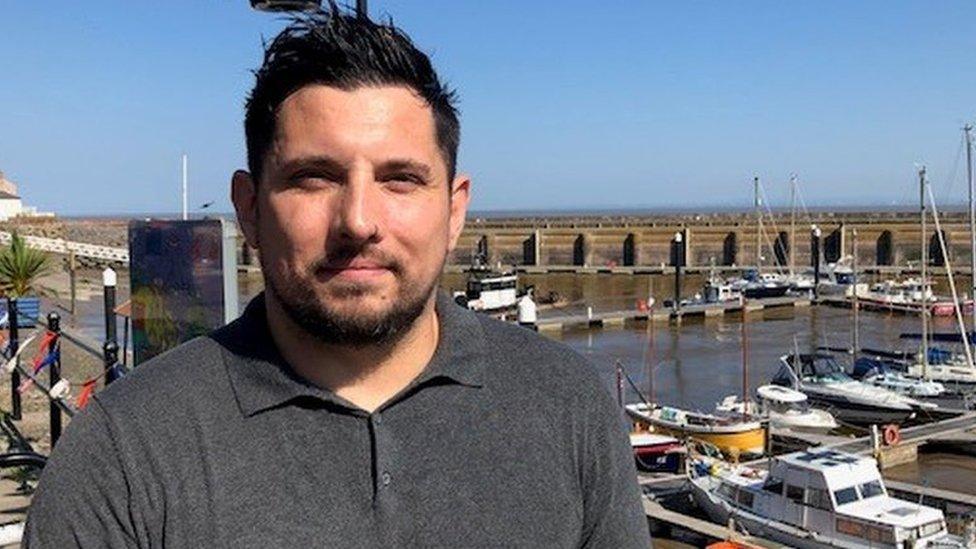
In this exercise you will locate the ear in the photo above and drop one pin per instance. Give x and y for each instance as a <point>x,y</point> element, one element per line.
<point>244,195</point>
<point>460,195</point>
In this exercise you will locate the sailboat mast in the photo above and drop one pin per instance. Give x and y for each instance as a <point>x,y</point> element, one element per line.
<point>792,222</point>
<point>967,129</point>
<point>758,204</point>
<point>745,367</point>
<point>925,260</point>
<point>854,304</point>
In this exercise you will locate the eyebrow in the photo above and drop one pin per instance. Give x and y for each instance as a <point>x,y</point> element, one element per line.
<point>420,168</point>
<point>313,161</point>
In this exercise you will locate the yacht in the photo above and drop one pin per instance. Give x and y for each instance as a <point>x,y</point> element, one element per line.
<point>877,373</point>
<point>817,498</point>
<point>754,284</point>
<point>489,290</point>
<point>827,385</point>
<point>911,294</point>
<point>785,408</point>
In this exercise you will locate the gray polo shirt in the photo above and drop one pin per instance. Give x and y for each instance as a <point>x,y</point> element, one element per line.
<point>505,439</point>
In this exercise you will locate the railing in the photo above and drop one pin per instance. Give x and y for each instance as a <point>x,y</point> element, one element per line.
<point>80,249</point>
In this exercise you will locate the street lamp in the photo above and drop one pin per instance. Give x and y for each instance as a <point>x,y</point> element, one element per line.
<point>302,5</point>
<point>286,5</point>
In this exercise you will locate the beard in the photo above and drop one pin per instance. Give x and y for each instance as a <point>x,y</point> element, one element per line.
<point>322,320</point>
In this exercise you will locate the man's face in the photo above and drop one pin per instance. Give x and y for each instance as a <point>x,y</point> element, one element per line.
<point>354,214</point>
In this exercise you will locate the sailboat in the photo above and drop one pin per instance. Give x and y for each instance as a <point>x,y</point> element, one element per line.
<point>958,374</point>
<point>734,436</point>
<point>754,283</point>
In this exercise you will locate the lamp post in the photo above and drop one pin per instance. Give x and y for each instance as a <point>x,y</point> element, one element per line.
<point>815,252</point>
<point>679,259</point>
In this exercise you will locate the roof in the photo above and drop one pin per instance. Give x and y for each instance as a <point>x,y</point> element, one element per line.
<point>821,460</point>
<point>7,196</point>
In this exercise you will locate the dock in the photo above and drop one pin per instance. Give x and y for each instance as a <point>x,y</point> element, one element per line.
<point>556,320</point>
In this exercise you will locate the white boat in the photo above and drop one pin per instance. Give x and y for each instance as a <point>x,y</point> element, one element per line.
<point>826,384</point>
<point>785,408</point>
<point>817,498</point>
<point>489,290</point>
<point>876,373</point>
<point>734,436</point>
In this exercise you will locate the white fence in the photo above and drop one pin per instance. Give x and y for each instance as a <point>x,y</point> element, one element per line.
<point>81,249</point>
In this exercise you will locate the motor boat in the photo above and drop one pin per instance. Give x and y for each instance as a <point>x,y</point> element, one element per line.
<point>877,373</point>
<point>817,498</point>
<point>754,285</point>
<point>827,385</point>
<point>656,453</point>
<point>785,408</point>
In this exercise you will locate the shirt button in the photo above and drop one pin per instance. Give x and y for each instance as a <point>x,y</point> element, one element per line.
<point>377,419</point>
<point>386,478</point>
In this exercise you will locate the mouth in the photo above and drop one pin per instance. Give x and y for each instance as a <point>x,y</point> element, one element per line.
<point>356,270</point>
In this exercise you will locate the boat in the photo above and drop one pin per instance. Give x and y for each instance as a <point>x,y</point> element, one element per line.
<point>911,295</point>
<point>756,285</point>
<point>817,498</point>
<point>733,436</point>
<point>785,408</point>
<point>489,290</point>
<point>656,453</point>
<point>876,372</point>
<point>827,385</point>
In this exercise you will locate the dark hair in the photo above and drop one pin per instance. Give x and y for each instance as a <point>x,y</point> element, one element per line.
<point>347,52</point>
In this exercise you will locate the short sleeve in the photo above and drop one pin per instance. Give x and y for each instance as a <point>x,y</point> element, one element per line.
<point>613,512</point>
<point>82,499</point>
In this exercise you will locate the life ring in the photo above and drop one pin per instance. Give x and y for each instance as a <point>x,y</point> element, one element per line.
<point>892,435</point>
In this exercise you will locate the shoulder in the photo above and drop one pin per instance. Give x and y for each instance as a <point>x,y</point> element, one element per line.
<point>177,377</point>
<point>524,357</point>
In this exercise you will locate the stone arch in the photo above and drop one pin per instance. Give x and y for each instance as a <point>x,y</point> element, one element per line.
<point>781,248</point>
<point>884,249</point>
<point>579,250</point>
<point>630,250</point>
<point>935,249</point>
<point>481,251</point>
<point>729,249</point>
<point>833,246</point>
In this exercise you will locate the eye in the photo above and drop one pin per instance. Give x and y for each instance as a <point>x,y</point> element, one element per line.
<point>312,179</point>
<point>403,181</point>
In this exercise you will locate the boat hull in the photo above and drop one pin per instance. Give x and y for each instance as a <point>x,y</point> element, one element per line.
<point>847,411</point>
<point>750,442</point>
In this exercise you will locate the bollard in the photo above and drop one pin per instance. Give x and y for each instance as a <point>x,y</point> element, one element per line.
<point>54,369</point>
<point>109,280</point>
<point>13,347</point>
<point>110,350</point>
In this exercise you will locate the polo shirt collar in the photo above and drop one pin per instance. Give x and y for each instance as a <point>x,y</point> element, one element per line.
<point>261,378</point>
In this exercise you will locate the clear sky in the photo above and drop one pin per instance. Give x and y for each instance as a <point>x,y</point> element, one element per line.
<point>565,104</point>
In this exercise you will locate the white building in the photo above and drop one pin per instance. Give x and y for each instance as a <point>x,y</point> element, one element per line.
<point>10,203</point>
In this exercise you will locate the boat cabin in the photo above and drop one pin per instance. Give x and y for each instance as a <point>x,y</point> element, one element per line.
<point>489,290</point>
<point>826,496</point>
<point>817,368</point>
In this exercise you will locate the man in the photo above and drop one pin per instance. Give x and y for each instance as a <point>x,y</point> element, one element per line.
<point>352,405</point>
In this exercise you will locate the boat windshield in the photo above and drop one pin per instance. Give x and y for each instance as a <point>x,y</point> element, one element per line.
<point>823,369</point>
<point>871,489</point>
<point>846,495</point>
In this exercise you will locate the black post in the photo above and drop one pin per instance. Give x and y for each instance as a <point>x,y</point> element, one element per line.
<point>109,280</point>
<point>54,325</point>
<point>815,254</point>
<point>110,350</point>
<point>361,10</point>
<point>679,260</point>
<point>14,346</point>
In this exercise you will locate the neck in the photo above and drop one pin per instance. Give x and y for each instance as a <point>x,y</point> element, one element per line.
<point>367,376</point>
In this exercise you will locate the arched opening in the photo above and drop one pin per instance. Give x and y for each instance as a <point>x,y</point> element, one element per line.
<point>884,251</point>
<point>833,246</point>
<point>936,257</point>
<point>630,252</point>
<point>729,249</point>
<point>579,250</point>
<point>481,251</point>
<point>781,248</point>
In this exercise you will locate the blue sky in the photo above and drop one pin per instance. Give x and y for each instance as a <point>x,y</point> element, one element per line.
<point>565,104</point>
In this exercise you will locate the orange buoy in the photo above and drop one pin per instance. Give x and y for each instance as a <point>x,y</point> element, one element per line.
<point>892,435</point>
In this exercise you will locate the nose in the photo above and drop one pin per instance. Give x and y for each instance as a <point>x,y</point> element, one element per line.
<point>357,215</point>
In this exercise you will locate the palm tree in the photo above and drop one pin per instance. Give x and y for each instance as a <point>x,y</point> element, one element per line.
<point>21,267</point>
